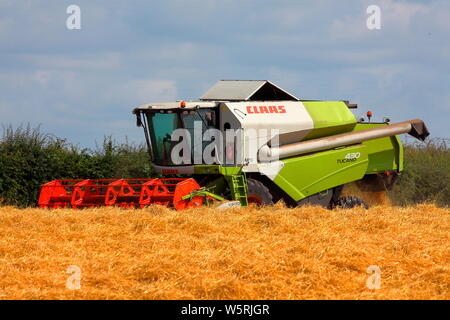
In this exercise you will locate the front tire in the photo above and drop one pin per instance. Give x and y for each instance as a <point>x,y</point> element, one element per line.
<point>258,193</point>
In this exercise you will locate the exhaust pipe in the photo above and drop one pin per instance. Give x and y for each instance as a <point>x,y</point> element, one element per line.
<point>415,127</point>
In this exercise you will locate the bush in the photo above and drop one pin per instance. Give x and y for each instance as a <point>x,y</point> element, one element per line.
<point>29,158</point>
<point>426,174</point>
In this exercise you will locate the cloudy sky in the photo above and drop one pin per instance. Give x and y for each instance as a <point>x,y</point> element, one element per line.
<point>83,84</point>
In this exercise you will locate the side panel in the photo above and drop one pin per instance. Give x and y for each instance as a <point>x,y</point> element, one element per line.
<point>306,175</point>
<point>262,121</point>
<point>385,154</point>
<point>330,118</point>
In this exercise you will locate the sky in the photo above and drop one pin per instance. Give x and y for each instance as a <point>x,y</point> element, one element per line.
<point>83,84</point>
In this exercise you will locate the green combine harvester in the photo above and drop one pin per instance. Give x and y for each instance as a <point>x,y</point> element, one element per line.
<point>254,143</point>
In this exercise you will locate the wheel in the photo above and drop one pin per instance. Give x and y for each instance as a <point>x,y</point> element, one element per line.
<point>349,202</point>
<point>258,193</point>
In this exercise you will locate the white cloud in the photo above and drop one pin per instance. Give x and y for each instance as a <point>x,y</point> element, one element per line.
<point>108,60</point>
<point>400,15</point>
<point>152,90</point>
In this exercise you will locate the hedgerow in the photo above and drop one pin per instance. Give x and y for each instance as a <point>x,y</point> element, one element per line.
<point>30,158</point>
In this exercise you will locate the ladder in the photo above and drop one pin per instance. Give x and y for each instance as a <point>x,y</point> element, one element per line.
<point>238,188</point>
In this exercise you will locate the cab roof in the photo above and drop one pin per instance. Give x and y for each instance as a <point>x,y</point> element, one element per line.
<point>229,90</point>
<point>176,105</point>
<point>246,90</point>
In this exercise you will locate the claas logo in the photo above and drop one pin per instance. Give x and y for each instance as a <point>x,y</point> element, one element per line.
<point>265,109</point>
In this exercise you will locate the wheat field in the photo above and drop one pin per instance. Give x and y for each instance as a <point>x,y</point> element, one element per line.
<point>268,253</point>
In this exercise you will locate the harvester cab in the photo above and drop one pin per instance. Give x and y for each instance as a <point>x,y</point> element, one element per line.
<point>254,142</point>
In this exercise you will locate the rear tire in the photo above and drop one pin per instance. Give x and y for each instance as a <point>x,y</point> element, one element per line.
<point>258,193</point>
<point>350,202</point>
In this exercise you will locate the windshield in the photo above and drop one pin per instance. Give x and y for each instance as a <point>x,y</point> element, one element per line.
<point>162,125</point>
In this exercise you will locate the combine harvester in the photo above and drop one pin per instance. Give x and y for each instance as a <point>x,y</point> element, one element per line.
<point>265,144</point>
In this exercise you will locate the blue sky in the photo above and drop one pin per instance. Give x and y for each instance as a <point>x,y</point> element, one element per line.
<point>83,84</point>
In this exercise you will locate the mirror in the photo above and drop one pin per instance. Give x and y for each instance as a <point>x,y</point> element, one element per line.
<point>138,119</point>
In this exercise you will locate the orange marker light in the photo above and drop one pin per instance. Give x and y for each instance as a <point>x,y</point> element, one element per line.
<point>183,104</point>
